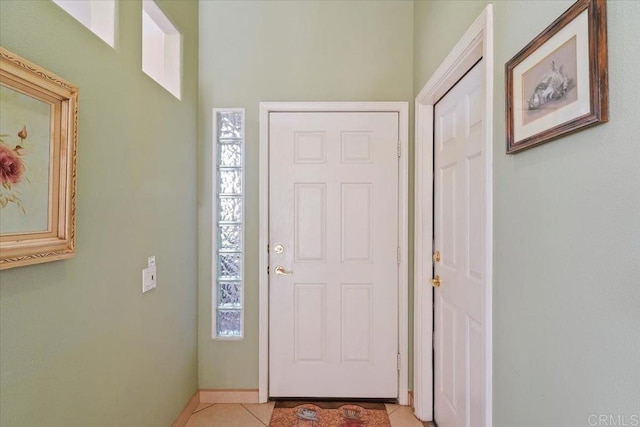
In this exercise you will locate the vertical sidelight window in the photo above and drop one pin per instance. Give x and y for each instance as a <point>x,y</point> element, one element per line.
<point>228,224</point>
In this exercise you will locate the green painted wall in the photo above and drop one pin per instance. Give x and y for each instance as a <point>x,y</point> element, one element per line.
<point>283,51</point>
<point>437,27</point>
<point>566,232</point>
<point>80,345</point>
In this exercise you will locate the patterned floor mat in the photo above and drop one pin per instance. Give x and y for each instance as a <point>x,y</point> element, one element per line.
<point>329,414</point>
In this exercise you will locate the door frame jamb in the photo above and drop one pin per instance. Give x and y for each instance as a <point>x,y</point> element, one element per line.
<point>475,44</point>
<point>402,108</point>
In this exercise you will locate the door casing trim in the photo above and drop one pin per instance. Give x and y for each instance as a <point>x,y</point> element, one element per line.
<point>402,108</point>
<point>475,44</point>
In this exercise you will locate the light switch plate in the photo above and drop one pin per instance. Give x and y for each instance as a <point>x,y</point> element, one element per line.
<point>152,261</point>
<point>148,279</point>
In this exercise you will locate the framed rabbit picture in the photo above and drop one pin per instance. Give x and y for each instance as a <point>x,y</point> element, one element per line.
<point>558,83</point>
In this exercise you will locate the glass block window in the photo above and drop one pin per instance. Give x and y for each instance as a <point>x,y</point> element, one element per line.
<point>228,241</point>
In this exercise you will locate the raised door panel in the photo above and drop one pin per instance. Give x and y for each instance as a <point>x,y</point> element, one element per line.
<point>310,311</point>
<point>357,322</point>
<point>356,222</point>
<point>310,222</point>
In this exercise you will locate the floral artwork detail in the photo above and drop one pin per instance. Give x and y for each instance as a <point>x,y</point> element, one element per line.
<point>12,168</point>
<point>25,162</point>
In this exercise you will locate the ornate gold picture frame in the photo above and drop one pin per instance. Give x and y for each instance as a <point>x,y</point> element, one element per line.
<point>38,143</point>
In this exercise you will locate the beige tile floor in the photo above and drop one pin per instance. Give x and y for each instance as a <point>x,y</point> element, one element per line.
<point>258,415</point>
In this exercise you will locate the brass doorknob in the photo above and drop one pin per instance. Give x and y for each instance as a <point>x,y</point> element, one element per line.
<point>280,270</point>
<point>436,281</point>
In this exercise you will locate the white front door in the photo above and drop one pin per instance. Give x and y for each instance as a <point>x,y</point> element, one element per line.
<point>459,344</point>
<point>333,237</point>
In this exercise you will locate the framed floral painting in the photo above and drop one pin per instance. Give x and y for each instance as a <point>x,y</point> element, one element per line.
<point>38,140</point>
<point>558,83</point>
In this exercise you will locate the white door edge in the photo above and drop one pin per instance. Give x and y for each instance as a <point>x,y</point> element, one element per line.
<point>402,108</point>
<point>475,44</point>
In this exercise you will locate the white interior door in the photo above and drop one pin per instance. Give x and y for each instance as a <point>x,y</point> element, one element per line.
<point>333,228</point>
<point>459,209</point>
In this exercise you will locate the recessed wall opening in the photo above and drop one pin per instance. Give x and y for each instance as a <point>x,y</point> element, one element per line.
<point>97,15</point>
<point>161,48</point>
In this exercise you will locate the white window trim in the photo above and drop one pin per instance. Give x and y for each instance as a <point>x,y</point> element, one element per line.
<point>214,227</point>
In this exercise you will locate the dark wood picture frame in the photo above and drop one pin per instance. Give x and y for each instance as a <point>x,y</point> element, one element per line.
<point>598,87</point>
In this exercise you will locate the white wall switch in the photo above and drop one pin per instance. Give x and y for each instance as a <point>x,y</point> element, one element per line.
<point>148,279</point>
<point>152,261</point>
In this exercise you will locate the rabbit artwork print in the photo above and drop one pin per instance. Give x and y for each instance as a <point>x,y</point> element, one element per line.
<point>552,87</point>
<point>551,83</point>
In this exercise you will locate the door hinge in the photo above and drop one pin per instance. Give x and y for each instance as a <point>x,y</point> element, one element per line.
<point>399,149</point>
<point>268,247</point>
<point>268,269</point>
<point>398,254</point>
<point>399,362</point>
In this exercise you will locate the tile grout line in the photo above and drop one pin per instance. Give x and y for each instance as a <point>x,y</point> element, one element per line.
<point>202,409</point>
<point>252,414</point>
<point>394,409</point>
